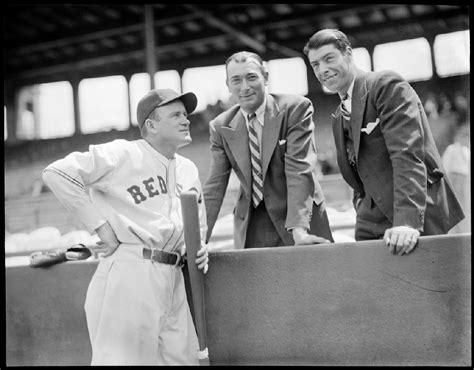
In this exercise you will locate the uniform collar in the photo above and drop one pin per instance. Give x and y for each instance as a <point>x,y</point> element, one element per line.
<point>158,155</point>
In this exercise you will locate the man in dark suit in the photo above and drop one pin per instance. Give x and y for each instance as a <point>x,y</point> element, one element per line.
<point>385,149</point>
<point>268,140</point>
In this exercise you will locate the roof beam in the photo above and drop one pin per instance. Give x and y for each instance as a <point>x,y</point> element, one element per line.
<point>213,21</point>
<point>138,27</point>
<point>112,58</point>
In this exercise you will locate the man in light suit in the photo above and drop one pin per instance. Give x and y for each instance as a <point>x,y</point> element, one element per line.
<point>385,149</point>
<point>280,202</point>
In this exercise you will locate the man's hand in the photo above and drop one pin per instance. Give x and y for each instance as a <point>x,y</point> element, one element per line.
<point>108,240</point>
<point>202,259</point>
<point>401,239</point>
<point>302,237</point>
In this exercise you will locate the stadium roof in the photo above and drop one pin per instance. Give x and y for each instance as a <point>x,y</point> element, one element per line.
<point>53,42</point>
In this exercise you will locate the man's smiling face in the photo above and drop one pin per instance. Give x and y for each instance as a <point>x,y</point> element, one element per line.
<point>246,83</point>
<point>332,67</point>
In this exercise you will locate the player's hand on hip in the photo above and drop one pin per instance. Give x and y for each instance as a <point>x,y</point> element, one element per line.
<point>401,239</point>
<point>108,240</point>
<point>202,259</point>
<point>302,237</point>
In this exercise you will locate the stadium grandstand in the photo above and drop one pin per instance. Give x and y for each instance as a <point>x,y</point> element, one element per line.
<point>73,74</point>
<point>61,50</point>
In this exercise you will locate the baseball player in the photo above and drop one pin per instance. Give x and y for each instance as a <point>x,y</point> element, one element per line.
<point>129,193</point>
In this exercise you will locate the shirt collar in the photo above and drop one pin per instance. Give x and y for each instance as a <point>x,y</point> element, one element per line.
<point>349,90</point>
<point>260,112</point>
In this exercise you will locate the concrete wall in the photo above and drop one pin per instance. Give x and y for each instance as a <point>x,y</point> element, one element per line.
<point>45,319</point>
<point>343,304</point>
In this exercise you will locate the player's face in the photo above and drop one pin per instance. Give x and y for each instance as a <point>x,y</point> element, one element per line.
<point>246,84</point>
<point>333,68</point>
<point>173,124</point>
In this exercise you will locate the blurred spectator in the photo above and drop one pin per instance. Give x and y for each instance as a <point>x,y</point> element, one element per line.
<point>443,120</point>
<point>445,104</point>
<point>457,163</point>
<point>327,163</point>
<point>431,106</point>
<point>200,121</point>
<point>461,106</point>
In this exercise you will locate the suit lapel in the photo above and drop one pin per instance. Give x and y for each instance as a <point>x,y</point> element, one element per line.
<point>359,102</point>
<point>271,131</point>
<point>236,135</point>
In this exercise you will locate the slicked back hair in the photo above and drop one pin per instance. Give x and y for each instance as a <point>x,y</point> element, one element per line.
<point>243,56</point>
<point>326,37</point>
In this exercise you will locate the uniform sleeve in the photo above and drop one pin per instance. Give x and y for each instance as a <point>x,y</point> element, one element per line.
<point>71,178</point>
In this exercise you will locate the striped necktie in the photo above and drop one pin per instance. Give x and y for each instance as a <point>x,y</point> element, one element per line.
<point>257,180</point>
<point>345,112</point>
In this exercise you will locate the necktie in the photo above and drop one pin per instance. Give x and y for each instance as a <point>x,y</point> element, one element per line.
<point>257,180</point>
<point>345,112</point>
<point>346,115</point>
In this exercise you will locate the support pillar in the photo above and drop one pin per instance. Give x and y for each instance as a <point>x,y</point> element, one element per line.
<point>151,60</point>
<point>11,104</point>
<point>76,107</point>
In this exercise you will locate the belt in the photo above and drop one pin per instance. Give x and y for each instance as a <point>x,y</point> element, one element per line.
<point>168,258</point>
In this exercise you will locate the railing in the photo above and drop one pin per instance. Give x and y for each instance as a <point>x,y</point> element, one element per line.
<point>29,213</point>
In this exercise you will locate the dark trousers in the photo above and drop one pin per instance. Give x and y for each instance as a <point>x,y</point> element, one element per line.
<point>319,224</point>
<point>371,223</point>
<point>261,233</point>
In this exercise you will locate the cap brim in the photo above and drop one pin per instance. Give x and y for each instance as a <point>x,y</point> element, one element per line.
<point>189,100</point>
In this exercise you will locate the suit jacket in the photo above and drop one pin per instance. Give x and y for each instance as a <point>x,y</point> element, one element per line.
<point>398,164</point>
<point>290,186</point>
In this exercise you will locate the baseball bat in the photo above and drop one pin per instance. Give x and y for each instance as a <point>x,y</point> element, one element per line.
<point>192,238</point>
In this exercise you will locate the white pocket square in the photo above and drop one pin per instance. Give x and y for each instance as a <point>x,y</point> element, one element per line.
<point>370,126</point>
<point>281,142</point>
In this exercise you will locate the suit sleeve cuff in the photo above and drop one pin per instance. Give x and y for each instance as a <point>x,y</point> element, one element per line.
<point>412,218</point>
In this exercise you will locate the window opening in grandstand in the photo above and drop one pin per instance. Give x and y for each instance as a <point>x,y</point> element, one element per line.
<point>45,111</point>
<point>410,58</point>
<point>208,83</point>
<point>451,53</point>
<point>56,120</point>
<point>103,104</point>
<point>362,59</point>
<point>287,76</point>
<point>140,85</point>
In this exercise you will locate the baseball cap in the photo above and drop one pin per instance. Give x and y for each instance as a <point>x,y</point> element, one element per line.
<point>159,97</point>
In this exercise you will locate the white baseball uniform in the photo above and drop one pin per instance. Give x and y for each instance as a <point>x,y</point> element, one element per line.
<point>136,309</point>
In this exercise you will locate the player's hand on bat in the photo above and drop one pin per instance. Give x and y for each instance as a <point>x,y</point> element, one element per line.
<point>302,237</point>
<point>108,240</point>
<point>202,259</point>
